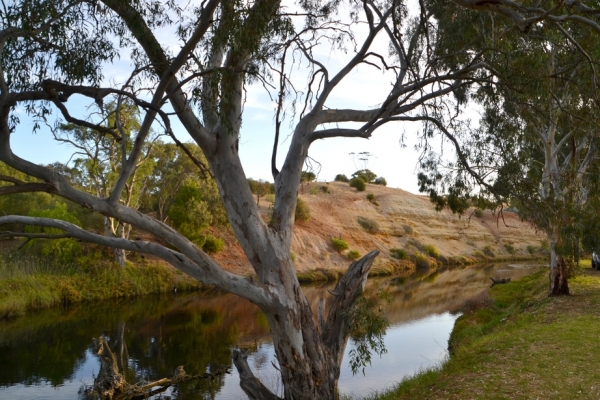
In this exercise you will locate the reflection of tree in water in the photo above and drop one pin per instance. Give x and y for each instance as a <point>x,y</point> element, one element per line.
<point>43,354</point>
<point>150,338</point>
<point>196,339</point>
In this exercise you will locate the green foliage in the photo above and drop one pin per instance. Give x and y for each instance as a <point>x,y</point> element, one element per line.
<point>213,244</point>
<point>489,251</point>
<point>261,188</point>
<point>354,255</point>
<point>370,197</point>
<point>64,249</point>
<point>339,244</point>
<point>307,176</point>
<point>408,229</point>
<point>510,248</point>
<point>421,260</point>
<point>367,328</point>
<point>293,256</point>
<point>324,189</point>
<point>531,249</point>
<point>302,210</point>
<point>358,184</point>
<point>365,175</point>
<point>400,254</point>
<point>341,178</point>
<point>368,225</point>
<point>431,250</point>
<point>270,198</point>
<point>380,181</point>
<point>478,213</point>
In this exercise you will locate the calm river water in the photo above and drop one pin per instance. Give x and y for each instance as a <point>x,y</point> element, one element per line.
<point>48,355</point>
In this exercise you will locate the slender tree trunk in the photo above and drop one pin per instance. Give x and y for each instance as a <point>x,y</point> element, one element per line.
<point>119,255</point>
<point>558,271</point>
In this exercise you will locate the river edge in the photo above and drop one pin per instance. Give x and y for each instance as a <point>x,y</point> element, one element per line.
<point>518,343</point>
<point>24,286</point>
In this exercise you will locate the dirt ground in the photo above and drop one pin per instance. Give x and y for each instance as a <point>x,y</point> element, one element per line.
<point>405,221</point>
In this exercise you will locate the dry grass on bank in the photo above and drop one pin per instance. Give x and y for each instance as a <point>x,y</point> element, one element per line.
<point>29,282</point>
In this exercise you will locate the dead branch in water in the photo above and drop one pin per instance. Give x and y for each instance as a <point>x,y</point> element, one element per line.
<point>110,384</point>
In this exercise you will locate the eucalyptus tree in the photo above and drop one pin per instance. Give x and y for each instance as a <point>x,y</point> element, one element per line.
<point>54,54</point>
<point>98,159</point>
<point>537,136</point>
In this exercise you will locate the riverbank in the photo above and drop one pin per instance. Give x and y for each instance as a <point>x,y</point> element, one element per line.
<point>407,267</point>
<point>518,343</point>
<point>28,282</point>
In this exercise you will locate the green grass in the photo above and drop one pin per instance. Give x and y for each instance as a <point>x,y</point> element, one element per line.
<point>28,283</point>
<point>519,344</point>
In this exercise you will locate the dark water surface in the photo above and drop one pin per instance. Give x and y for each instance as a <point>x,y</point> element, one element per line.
<point>48,355</point>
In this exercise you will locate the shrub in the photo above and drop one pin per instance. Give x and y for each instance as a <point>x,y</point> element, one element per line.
<point>341,178</point>
<point>531,249</point>
<point>370,197</point>
<point>358,184</point>
<point>213,244</point>
<point>365,174</point>
<point>431,250</point>
<point>488,251</point>
<point>415,243</point>
<point>302,210</point>
<point>339,244</point>
<point>510,248</point>
<point>478,213</point>
<point>408,229</point>
<point>368,224</point>
<point>61,250</point>
<point>421,261</point>
<point>353,255</point>
<point>380,181</point>
<point>324,189</point>
<point>307,176</point>
<point>471,243</point>
<point>478,254</point>
<point>400,254</point>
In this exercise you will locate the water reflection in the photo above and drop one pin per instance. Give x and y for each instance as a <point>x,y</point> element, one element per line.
<point>49,354</point>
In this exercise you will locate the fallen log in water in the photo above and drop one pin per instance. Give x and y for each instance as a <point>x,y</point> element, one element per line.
<point>110,383</point>
<point>499,281</point>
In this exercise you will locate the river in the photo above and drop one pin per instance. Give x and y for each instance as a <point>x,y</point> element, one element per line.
<point>49,354</point>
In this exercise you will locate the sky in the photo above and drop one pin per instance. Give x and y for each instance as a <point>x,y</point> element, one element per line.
<point>392,147</point>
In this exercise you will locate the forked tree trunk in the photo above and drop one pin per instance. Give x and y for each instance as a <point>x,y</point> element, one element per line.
<point>558,270</point>
<point>309,353</point>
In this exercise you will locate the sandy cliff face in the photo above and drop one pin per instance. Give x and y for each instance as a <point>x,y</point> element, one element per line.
<point>404,220</point>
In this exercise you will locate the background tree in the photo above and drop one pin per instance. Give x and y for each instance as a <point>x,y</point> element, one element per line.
<point>99,158</point>
<point>536,140</point>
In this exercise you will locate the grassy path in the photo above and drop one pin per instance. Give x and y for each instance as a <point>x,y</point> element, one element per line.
<point>520,344</point>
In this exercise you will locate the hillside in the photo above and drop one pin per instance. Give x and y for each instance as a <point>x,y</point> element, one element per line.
<point>404,220</point>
